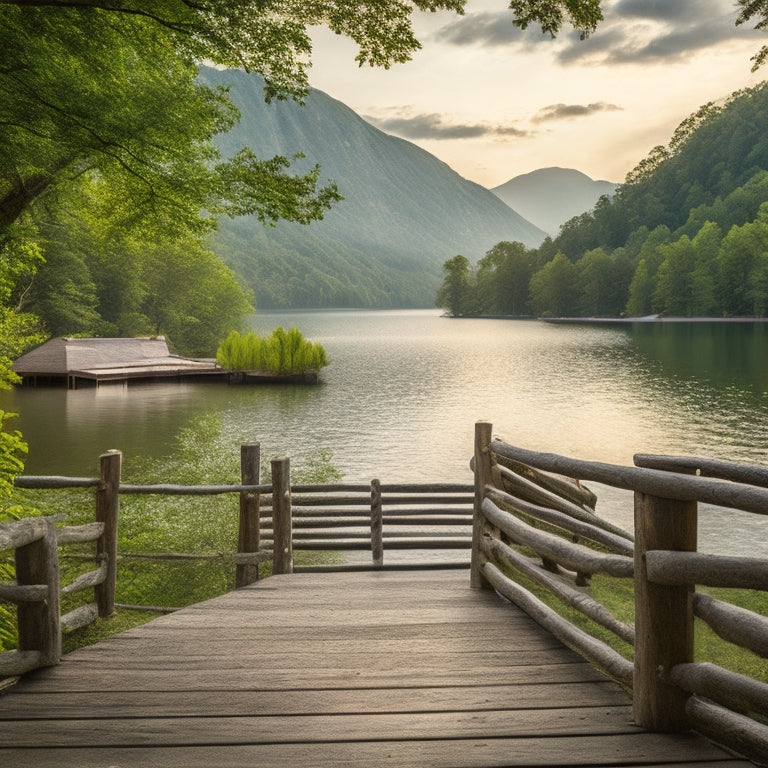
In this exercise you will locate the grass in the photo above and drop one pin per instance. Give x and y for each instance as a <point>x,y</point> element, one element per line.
<point>205,526</point>
<point>617,595</point>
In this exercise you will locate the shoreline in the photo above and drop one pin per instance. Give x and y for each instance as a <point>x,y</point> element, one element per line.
<point>648,319</point>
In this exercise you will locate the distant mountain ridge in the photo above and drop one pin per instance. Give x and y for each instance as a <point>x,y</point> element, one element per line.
<point>405,212</point>
<point>549,197</point>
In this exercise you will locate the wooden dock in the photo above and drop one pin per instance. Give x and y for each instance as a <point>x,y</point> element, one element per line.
<point>399,668</point>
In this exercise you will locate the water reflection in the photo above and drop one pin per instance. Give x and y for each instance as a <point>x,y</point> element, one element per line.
<point>720,355</point>
<point>404,389</point>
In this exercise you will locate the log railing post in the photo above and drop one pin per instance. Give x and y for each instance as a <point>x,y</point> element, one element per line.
<point>248,530</point>
<point>39,622</point>
<point>483,434</point>
<point>377,528</point>
<point>282,525</point>
<point>107,512</point>
<point>663,614</point>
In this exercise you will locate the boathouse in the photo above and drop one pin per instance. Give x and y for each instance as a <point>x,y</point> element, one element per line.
<point>76,362</point>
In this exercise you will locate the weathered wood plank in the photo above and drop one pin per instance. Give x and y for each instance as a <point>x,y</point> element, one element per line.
<point>642,749</point>
<point>252,646</point>
<point>35,706</point>
<point>352,670</point>
<point>319,656</point>
<point>317,729</point>
<point>70,678</point>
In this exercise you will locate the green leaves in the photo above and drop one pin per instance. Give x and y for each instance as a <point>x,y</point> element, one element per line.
<point>263,188</point>
<point>282,353</point>
<point>13,450</point>
<point>551,15</point>
<point>455,294</point>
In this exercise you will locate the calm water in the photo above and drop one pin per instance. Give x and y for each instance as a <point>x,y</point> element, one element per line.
<point>405,388</point>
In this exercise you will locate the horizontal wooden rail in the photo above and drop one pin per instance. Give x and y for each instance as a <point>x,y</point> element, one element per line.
<point>673,568</point>
<point>15,663</point>
<point>405,519</point>
<point>261,556</point>
<point>48,482</point>
<point>25,593</point>
<point>564,488</point>
<point>572,556</point>
<point>649,481</point>
<point>79,534</point>
<point>518,485</point>
<point>522,505</point>
<point>742,734</point>
<point>20,533</point>
<point>79,617</point>
<point>35,542</point>
<point>736,625</point>
<point>724,470</point>
<point>596,651</point>
<point>393,543</point>
<point>168,489</point>
<point>729,689</point>
<point>502,554</point>
<point>593,531</point>
<point>86,581</point>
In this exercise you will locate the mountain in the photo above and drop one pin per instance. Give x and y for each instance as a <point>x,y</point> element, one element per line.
<point>404,214</point>
<point>551,196</point>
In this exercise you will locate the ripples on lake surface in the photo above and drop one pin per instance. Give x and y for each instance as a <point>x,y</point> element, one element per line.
<point>404,389</point>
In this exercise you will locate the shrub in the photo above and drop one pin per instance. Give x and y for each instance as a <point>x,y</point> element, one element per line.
<point>284,352</point>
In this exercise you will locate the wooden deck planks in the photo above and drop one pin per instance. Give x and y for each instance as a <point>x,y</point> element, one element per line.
<point>389,668</point>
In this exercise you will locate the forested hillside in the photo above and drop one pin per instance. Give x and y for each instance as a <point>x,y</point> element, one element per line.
<point>686,234</point>
<point>404,211</point>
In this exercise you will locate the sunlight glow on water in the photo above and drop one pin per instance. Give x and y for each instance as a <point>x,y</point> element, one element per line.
<point>404,389</point>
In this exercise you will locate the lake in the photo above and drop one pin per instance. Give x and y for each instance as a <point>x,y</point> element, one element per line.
<point>404,389</point>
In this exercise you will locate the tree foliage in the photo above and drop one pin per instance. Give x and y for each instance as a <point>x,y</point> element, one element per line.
<point>583,15</point>
<point>455,294</point>
<point>686,235</point>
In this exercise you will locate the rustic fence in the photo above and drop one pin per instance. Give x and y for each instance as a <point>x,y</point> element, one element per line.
<point>274,520</point>
<point>524,502</point>
<point>38,589</point>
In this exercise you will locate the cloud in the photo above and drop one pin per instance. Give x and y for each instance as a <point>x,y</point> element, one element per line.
<point>487,29</point>
<point>657,32</point>
<point>434,126</point>
<point>633,31</point>
<point>659,10</point>
<point>570,111</point>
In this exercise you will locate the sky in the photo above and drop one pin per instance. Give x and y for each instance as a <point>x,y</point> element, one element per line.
<point>494,102</point>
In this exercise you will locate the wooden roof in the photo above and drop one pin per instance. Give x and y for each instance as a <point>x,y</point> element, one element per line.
<point>97,358</point>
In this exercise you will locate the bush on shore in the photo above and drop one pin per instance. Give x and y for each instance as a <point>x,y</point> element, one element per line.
<point>284,352</point>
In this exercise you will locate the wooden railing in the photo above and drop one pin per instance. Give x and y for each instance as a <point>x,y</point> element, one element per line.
<point>274,520</point>
<point>526,501</point>
<point>375,517</point>
<point>37,590</point>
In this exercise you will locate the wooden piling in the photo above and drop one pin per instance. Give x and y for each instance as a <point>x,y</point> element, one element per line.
<point>483,436</point>
<point>248,529</point>
<point>377,528</point>
<point>107,512</point>
<point>663,613</point>
<point>39,621</point>
<point>281,516</point>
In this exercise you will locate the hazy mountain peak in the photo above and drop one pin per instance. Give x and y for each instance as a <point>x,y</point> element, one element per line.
<point>404,214</point>
<point>548,197</point>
